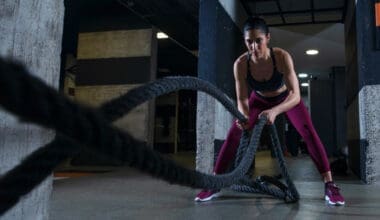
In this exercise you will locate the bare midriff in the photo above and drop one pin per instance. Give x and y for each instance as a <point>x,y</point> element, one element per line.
<point>272,93</point>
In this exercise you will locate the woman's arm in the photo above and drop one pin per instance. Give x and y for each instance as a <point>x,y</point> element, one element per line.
<point>240,74</point>
<point>291,82</point>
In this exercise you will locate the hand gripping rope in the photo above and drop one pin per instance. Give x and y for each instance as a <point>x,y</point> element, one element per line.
<point>79,126</point>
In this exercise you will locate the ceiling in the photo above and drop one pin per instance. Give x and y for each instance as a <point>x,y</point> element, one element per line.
<point>297,12</point>
<point>296,25</point>
<point>177,18</point>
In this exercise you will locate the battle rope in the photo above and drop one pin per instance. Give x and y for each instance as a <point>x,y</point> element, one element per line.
<point>121,106</point>
<point>267,184</point>
<point>162,170</point>
<point>30,99</point>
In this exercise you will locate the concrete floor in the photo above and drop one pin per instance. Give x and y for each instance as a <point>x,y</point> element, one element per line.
<point>128,194</point>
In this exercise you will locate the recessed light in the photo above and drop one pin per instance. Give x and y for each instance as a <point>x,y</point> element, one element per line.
<point>303,75</point>
<point>304,84</point>
<point>312,52</point>
<point>162,35</point>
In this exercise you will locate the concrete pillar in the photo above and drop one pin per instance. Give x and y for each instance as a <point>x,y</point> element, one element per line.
<point>31,32</point>
<point>363,90</point>
<point>110,63</point>
<point>220,43</point>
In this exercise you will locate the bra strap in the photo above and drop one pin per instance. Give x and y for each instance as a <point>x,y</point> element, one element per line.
<point>272,55</point>
<point>248,59</point>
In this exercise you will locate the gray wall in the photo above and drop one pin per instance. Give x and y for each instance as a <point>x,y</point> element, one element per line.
<point>30,31</point>
<point>110,63</point>
<point>338,76</point>
<point>328,111</point>
<point>322,112</point>
<point>353,138</point>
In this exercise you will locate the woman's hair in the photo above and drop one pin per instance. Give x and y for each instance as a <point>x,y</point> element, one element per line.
<point>256,23</point>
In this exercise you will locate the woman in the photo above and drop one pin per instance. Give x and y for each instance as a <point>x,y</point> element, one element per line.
<point>270,73</point>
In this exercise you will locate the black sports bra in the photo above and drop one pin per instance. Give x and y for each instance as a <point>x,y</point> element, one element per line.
<point>272,84</point>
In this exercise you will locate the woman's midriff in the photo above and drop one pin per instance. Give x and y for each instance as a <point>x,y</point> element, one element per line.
<point>272,93</point>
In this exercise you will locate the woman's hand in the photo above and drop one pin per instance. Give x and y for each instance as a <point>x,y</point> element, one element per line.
<point>270,114</point>
<point>242,125</point>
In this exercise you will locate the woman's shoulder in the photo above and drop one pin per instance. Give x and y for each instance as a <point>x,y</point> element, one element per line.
<point>242,59</point>
<point>279,51</point>
<point>240,65</point>
<point>282,58</point>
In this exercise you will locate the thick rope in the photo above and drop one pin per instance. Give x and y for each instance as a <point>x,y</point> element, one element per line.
<point>267,184</point>
<point>30,99</point>
<point>292,193</point>
<point>79,126</point>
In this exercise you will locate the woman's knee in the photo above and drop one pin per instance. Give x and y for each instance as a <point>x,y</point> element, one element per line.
<point>233,136</point>
<point>305,132</point>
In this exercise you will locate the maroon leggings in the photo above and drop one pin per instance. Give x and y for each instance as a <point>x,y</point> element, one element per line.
<point>298,116</point>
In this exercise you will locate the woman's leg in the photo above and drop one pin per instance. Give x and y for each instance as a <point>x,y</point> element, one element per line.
<point>228,150</point>
<point>300,118</point>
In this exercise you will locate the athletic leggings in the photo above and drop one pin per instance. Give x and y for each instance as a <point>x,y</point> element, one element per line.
<point>298,116</point>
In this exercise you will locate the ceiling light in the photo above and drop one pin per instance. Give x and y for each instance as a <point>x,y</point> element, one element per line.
<point>303,75</point>
<point>305,84</point>
<point>162,35</point>
<point>312,52</point>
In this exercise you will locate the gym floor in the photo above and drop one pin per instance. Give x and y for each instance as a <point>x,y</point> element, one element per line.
<point>125,193</point>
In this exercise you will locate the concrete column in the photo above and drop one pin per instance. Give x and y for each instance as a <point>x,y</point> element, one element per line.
<point>110,63</point>
<point>363,90</point>
<point>235,11</point>
<point>220,43</point>
<point>31,32</point>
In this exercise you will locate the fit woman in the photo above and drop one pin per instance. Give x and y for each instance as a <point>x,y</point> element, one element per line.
<point>271,75</point>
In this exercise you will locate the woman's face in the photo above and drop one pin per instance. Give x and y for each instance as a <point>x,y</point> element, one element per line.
<point>256,42</point>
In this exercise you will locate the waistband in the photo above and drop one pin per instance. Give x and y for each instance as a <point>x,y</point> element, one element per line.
<point>273,98</point>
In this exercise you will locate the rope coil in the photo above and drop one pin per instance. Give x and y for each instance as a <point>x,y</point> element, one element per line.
<point>79,126</point>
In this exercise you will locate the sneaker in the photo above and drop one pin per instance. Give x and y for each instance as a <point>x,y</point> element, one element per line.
<point>332,194</point>
<point>206,195</point>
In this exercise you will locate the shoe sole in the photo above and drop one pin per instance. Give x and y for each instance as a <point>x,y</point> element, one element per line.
<point>197,199</point>
<point>333,203</point>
